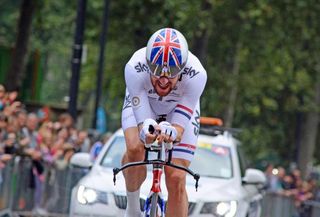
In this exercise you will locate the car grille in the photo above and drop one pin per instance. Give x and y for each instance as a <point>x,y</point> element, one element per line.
<point>191,207</point>
<point>103,197</point>
<point>121,202</point>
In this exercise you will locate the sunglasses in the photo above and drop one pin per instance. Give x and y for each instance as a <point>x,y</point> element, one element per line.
<point>168,71</point>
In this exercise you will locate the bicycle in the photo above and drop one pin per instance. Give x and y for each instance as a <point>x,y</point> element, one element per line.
<point>155,204</point>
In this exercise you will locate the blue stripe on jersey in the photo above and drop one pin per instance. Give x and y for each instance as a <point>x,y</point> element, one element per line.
<point>183,113</point>
<point>184,150</point>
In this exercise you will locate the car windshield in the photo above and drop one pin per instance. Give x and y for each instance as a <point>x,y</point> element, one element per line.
<point>209,160</point>
<point>213,161</point>
<point>113,156</point>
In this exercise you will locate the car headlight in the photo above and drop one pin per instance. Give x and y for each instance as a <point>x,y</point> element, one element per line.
<point>220,209</point>
<point>89,196</point>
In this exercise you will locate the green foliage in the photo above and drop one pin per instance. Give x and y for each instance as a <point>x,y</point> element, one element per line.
<point>8,20</point>
<point>276,43</point>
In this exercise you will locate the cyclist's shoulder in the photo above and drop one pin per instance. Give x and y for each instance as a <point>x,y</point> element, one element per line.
<point>138,56</point>
<point>137,62</point>
<point>194,69</point>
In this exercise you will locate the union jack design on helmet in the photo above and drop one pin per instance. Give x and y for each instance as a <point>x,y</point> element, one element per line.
<point>167,52</point>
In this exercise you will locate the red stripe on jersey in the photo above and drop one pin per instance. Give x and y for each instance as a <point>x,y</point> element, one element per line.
<point>187,146</point>
<point>185,108</point>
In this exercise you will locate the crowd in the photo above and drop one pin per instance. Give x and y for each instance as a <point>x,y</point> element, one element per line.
<point>291,184</point>
<point>41,139</point>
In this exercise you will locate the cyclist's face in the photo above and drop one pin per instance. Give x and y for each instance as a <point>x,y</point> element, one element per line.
<point>163,85</point>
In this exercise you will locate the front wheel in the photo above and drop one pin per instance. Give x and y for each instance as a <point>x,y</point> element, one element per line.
<point>154,206</point>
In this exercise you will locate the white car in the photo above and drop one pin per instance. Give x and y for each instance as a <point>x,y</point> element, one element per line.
<point>226,187</point>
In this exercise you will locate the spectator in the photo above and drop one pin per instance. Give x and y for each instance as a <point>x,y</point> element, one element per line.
<point>296,175</point>
<point>304,193</point>
<point>37,177</point>
<point>3,126</point>
<point>98,145</point>
<point>66,120</point>
<point>62,137</point>
<point>317,194</point>
<point>288,185</point>
<point>4,158</point>
<point>10,105</point>
<point>269,175</point>
<point>46,140</point>
<point>13,125</point>
<point>313,187</point>
<point>22,118</point>
<point>273,180</point>
<point>10,143</point>
<point>2,97</point>
<point>46,149</point>
<point>30,133</point>
<point>281,173</point>
<point>82,143</point>
<point>12,97</point>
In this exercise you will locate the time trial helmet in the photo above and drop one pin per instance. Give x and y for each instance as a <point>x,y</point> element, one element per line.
<point>167,52</point>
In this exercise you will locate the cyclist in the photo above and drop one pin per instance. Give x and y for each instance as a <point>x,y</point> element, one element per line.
<point>164,80</point>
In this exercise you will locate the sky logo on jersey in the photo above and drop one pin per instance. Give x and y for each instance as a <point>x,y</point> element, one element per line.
<point>196,123</point>
<point>184,111</point>
<point>166,49</point>
<point>140,67</point>
<point>190,72</point>
<point>127,102</point>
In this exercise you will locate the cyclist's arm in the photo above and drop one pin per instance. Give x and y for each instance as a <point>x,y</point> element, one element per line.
<point>139,99</point>
<point>192,92</point>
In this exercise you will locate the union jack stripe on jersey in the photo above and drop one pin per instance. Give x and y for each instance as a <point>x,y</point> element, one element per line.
<point>183,110</point>
<point>166,49</point>
<point>186,148</point>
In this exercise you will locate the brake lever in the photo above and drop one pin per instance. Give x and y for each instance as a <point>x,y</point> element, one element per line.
<point>115,172</point>
<point>196,177</point>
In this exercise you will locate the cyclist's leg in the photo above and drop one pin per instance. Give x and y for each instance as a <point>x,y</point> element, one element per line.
<point>175,179</point>
<point>134,176</point>
<point>134,152</point>
<point>177,204</point>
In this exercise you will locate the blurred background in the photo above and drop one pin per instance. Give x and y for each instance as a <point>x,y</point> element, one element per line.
<point>262,60</point>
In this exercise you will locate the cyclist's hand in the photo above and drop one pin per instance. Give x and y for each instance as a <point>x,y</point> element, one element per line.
<point>168,133</point>
<point>148,132</point>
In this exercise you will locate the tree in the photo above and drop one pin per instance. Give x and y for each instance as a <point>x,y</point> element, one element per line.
<point>16,69</point>
<point>261,58</point>
<point>309,136</point>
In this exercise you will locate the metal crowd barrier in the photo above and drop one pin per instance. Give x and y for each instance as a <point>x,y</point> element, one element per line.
<point>312,209</point>
<point>277,205</point>
<point>23,194</point>
<point>21,191</point>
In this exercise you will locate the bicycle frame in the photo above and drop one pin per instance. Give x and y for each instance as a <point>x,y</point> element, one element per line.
<point>155,198</point>
<point>155,192</point>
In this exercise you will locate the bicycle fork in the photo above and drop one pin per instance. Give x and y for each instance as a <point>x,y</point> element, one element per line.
<point>155,195</point>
